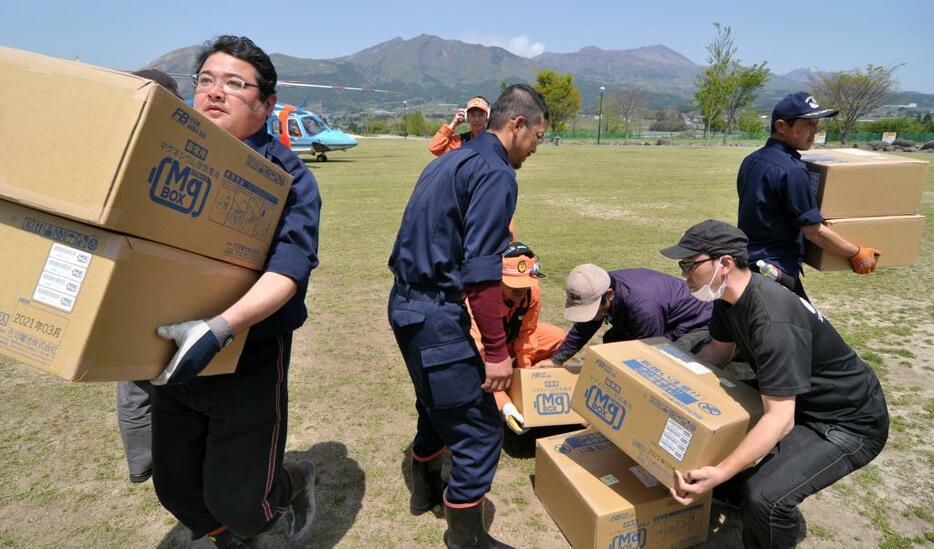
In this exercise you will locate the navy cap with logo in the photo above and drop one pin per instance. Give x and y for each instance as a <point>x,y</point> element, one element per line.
<point>800,105</point>
<point>711,237</point>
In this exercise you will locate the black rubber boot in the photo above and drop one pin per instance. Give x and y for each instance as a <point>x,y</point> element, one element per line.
<point>227,540</point>
<point>427,486</point>
<point>301,511</point>
<point>465,529</point>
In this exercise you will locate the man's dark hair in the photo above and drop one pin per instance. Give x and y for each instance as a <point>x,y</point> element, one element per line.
<point>518,100</point>
<point>244,49</point>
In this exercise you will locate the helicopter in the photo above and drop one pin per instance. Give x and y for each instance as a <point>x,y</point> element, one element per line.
<point>306,132</point>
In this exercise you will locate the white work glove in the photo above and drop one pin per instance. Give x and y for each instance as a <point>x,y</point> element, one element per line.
<point>514,419</point>
<point>198,341</point>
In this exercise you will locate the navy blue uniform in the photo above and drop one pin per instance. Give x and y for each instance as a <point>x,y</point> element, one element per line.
<point>646,303</point>
<point>453,234</point>
<point>219,441</point>
<point>777,197</point>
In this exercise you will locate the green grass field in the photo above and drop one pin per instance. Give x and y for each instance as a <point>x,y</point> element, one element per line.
<point>62,473</point>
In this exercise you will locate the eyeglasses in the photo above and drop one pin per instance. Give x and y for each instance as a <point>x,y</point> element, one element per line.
<point>204,81</point>
<point>688,266</point>
<point>540,137</point>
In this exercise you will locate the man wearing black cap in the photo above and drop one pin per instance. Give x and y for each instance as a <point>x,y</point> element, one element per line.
<point>824,412</point>
<point>778,202</point>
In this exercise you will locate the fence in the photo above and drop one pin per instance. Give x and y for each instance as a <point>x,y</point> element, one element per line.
<point>715,137</point>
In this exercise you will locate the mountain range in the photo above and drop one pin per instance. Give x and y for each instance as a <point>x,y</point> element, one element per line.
<point>428,70</point>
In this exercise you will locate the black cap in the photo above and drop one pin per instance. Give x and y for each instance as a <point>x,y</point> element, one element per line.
<point>160,78</point>
<point>800,105</point>
<point>712,237</point>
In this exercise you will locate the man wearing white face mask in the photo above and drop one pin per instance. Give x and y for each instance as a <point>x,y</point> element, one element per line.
<point>824,412</point>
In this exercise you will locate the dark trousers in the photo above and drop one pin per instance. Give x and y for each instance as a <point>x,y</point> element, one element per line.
<point>134,418</point>
<point>218,443</point>
<point>802,464</point>
<point>447,372</point>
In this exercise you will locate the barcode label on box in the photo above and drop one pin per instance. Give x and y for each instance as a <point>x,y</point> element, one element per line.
<point>675,439</point>
<point>61,277</point>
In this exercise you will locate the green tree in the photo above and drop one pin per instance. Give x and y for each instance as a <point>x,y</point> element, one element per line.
<point>669,120</point>
<point>750,122</point>
<point>855,93</point>
<point>502,87</point>
<point>726,87</point>
<point>562,96</point>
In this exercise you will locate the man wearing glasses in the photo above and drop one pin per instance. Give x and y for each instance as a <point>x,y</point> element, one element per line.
<point>450,244</point>
<point>219,441</point>
<point>778,202</point>
<point>636,303</point>
<point>824,412</point>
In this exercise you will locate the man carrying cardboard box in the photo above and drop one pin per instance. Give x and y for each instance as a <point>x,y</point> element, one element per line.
<point>636,303</point>
<point>450,244</point>
<point>529,342</point>
<point>778,203</point>
<point>824,411</point>
<point>219,441</point>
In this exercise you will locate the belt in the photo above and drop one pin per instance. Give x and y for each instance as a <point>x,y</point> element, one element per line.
<point>428,294</point>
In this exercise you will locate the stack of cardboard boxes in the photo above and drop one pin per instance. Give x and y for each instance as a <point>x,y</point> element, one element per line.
<point>652,410</point>
<point>870,199</point>
<point>121,209</point>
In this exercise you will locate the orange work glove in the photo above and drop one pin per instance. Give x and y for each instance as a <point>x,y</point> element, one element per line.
<point>864,260</point>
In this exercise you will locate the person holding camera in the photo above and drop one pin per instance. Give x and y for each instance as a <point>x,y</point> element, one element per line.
<point>475,114</point>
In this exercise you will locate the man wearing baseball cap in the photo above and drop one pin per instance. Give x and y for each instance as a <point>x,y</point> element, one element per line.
<point>636,303</point>
<point>824,416</point>
<point>475,114</point>
<point>778,203</point>
<point>530,343</point>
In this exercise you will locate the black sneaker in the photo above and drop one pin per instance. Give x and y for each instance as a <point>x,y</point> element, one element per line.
<point>301,511</point>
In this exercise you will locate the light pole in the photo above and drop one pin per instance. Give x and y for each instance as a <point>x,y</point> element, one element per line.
<point>600,116</point>
<point>405,123</point>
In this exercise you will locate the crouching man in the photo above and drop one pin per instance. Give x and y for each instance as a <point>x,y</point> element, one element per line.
<point>824,412</point>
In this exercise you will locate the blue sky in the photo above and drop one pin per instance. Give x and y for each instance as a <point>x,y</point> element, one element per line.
<point>791,34</point>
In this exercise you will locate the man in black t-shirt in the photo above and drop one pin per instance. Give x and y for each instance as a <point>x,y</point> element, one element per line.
<point>824,412</point>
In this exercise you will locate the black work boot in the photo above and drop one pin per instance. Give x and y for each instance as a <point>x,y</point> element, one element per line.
<point>427,486</point>
<point>465,529</point>
<point>228,540</point>
<point>301,511</point>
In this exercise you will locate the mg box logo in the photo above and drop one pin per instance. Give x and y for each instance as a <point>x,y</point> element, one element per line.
<point>181,189</point>
<point>629,540</point>
<point>608,410</point>
<point>552,404</point>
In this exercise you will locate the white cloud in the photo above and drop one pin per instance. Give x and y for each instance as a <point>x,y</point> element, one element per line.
<point>520,45</point>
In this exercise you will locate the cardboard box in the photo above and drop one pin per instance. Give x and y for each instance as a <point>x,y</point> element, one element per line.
<point>83,303</point>
<point>116,151</point>
<point>898,237</point>
<point>600,497</point>
<point>858,183</point>
<point>661,407</point>
<point>543,396</point>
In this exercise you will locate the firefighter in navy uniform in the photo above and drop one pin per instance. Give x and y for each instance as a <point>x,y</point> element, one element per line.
<point>218,442</point>
<point>449,247</point>
<point>778,202</point>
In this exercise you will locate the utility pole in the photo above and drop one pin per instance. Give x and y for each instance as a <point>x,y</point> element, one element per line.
<point>600,116</point>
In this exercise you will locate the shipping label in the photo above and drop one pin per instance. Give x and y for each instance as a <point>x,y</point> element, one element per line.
<point>675,439</point>
<point>61,278</point>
